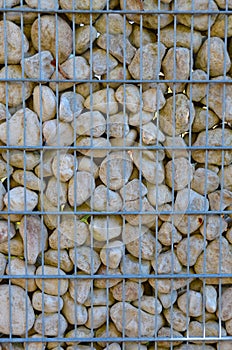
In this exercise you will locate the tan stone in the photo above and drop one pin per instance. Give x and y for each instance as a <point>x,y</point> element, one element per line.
<point>51,286</point>
<point>86,259</point>
<point>57,258</point>
<point>103,101</point>
<point>97,317</point>
<point>47,303</point>
<point>128,291</point>
<point>204,181</point>
<point>189,249</point>
<point>52,324</point>
<point>73,312</point>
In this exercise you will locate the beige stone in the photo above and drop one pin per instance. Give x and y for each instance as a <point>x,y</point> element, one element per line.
<point>148,36</point>
<point>140,242</point>
<point>137,206</point>
<point>176,318</point>
<point>52,324</point>
<point>214,54</point>
<point>90,123</point>
<point>182,36</point>
<point>17,196</point>
<point>97,317</point>
<point>140,118</point>
<point>74,68</point>
<point>7,231</point>
<point>228,325</point>
<point>23,121</point>
<point>29,179</point>
<point>132,265</point>
<point>167,263</point>
<point>210,298</point>
<point>222,25</point>
<point>225,177</point>
<point>69,234</point>
<point>51,286</point>
<point>79,289</point>
<point>219,100</point>
<point>167,299</point>
<point>86,259</point>
<point>14,248</point>
<point>84,89</point>
<point>63,166</point>
<point>71,106</point>
<point>184,115</point>
<point>57,258</point>
<point>128,291</point>
<point>118,125</point>
<point>21,310</point>
<point>35,345</point>
<point>110,331</point>
<point>73,312</point>
<point>197,91</point>
<point>179,173</point>
<point>219,200</point>
<point>170,333</point>
<point>79,16</point>
<point>48,29</point>
<point>88,164</point>
<point>149,20</point>
<point>226,305</point>
<point>172,143</point>
<point>80,188</point>
<point>16,43</point>
<point>214,227</point>
<point>118,73</point>
<point>151,134</point>
<point>16,92</point>
<point>102,61</point>
<point>176,65</point>
<point>39,66</point>
<point>113,23</point>
<point>104,199</point>
<point>191,303</point>
<point>16,267</point>
<point>99,297</point>
<point>104,282</point>
<point>104,228</point>
<point>149,304</point>
<point>150,64</point>
<point>35,236</point>
<point>47,303</point>
<point>84,38</point>
<point>111,254</point>
<point>3,263</point>
<point>133,190</point>
<point>189,200</point>
<point>204,181</point>
<point>168,234</point>
<point>134,321</point>
<point>202,21</point>
<point>56,192</point>
<point>209,329</point>
<point>58,133</point>
<point>115,170</point>
<point>43,4</point>
<point>189,249</point>
<point>129,95</point>
<point>103,101</point>
<point>212,257</point>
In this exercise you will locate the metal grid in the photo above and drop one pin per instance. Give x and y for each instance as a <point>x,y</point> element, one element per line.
<point>64,211</point>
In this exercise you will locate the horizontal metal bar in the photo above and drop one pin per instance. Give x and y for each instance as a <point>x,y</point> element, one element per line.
<point>121,11</point>
<point>135,212</point>
<point>114,339</point>
<point>123,148</point>
<point>123,276</point>
<point>121,81</point>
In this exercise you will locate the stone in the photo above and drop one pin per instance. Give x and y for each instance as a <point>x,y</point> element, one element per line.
<point>189,249</point>
<point>191,303</point>
<point>39,66</point>
<point>204,181</point>
<point>213,54</point>
<point>29,179</point>
<point>52,324</point>
<point>103,101</point>
<point>10,32</point>
<point>63,166</point>
<point>3,263</point>
<point>208,262</point>
<point>23,121</point>
<point>80,188</point>
<point>176,318</point>
<point>226,305</point>
<point>97,317</point>
<point>47,36</point>
<point>120,48</point>
<point>219,200</point>
<point>84,38</point>
<point>107,283</point>
<point>196,92</point>
<point>93,147</point>
<point>179,173</point>
<point>189,200</point>
<point>57,258</point>
<point>167,299</point>
<point>176,65</point>
<point>90,123</point>
<point>184,115</point>
<point>111,254</point>
<point>133,190</point>
<point>151,62</point>
<point>69,234</point>
<point>170,333</point>
<point>79,289</point>
<point>115,170</point>
<point>148,36</point>
<point>47,303</point>
<point>105,228</point>
<point>86,259</point>
<point>87,164</point>
<point>128,291</point>
<point>21,310</point>
<point>151,134</point>
<point>71,106</point>
<point>73,312</point>
<point>129,95</point>
<point>51,286</point>
<point>168,234</point>
<point>16,92</point>
<point>16,200</point>
<point>132,265</point>
<point>99,297</point>
<point>172,143</point>
<point>102,61</point>
<point>56,192</point>
<point>182,37</point>
<point>114,22</point>
<point>7,231</point>
<point>167,262</point>
<point>14,248</point>
<point>134,321</point>
<point>225,177</point>
<point>104,199</point>
<point>57,133</point>
<point>118,125</point>
<point>210,329</point>
<point>79,16</point>
<point>215,225</point>
<point>210,298</point>
<point>137,206</point>
<point>140,118</point>
<point>222,25</point>
<point>149,304</point>
<point>202,21</point>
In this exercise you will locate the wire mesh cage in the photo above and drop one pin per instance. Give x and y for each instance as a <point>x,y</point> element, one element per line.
<point>116,174</point>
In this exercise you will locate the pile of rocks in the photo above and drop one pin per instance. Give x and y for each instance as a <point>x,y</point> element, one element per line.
<point>128,180</point>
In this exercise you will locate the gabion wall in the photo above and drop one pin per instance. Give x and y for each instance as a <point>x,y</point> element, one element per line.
<point>116,174</point>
